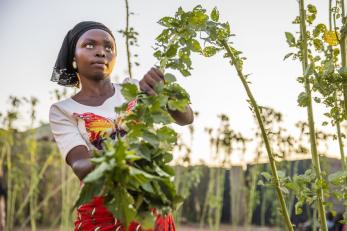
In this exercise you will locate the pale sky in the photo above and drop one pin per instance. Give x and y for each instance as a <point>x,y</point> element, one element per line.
<point>32,32</point>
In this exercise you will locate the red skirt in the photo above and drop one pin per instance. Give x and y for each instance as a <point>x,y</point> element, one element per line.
<point>94,216</point>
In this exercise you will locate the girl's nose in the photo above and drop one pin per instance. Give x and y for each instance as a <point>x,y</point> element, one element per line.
<point>100,53</point>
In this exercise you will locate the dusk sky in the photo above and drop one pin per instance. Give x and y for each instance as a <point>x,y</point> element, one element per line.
<point>33,30</point>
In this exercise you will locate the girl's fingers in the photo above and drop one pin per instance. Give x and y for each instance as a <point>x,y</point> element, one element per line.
<point>147,88</point>
<point>150,80</point>
<point>156,75</point>
<point>158,72</point>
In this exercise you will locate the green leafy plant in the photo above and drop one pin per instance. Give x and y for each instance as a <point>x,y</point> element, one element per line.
<point>185,31</point>
<point>132,171</point>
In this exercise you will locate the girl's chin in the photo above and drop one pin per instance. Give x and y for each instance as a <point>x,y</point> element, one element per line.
<point>99,76</point>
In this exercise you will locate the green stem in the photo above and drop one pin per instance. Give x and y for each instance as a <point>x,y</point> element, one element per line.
<point>127,38</point>
<point>314,152</point>
<point>9,204</point>
<point>32,147</point>
<point>207,198</point>
<point>219,193</point>
<point>330,25</point>
<point>338,127</point>
<point>343,11</point>
<point>252,196</point>
<point>264,135</point>
<point>235,190</point>
<point>314,220</point>
<point>139,202</point>
<point>64,191</point>
<point>339,138</point>
<point>263,209</point>
<point>343,55</point>
<point>343,64</point>
<point>292,195</point>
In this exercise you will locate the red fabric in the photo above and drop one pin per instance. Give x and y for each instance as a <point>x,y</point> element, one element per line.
<point>94,216</point>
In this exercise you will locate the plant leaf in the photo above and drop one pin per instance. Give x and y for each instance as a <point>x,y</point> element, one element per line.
<point>215,15</point>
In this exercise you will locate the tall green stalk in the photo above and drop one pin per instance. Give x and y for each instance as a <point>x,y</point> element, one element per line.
<point>339,138</point>
<point>127,41</point>
<point>219,197</point>
<point>32,146</point>
<point>12,115</point>
<point>9,202</point>
<point>186,25</point>
<point>314,152</point>
<point>255,107</point>
<point>343,53</point>
<point>252,195</point>
<point>208,193</point>
<point>343,65</point>
<point>337,120</point>
<point>292,194</point>
<point>65,210</point>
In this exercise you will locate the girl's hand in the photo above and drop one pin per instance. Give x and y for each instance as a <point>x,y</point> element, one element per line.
<point>150,79</point>
<point>147,84</point>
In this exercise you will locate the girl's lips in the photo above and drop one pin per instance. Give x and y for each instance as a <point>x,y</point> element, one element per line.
<point>99,65</point>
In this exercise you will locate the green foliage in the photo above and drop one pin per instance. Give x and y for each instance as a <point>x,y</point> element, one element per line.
<point>179,39</point>
<point>290,39</point>
<point>325,76</point>
<point>302,99</point>
<point>215,15</point>
<point>196,24</point>
<point>132,171</point>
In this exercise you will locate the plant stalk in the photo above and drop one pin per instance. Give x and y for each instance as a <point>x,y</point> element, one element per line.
<point>339,138</point>
<point>127,39</point>
<point>264,135</point>
<point>314,152</point>
<point>343,55</point>
<point>338,125</point>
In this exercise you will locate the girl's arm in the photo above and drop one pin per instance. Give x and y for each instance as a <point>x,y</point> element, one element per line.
<point>79,160</point>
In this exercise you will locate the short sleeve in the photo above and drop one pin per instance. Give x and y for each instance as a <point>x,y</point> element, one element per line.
<point>65,130</point>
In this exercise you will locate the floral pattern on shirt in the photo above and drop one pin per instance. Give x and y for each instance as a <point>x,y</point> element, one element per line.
<point>99,128</point>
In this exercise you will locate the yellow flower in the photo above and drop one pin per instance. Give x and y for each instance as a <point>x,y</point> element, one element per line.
<point>331,37</point>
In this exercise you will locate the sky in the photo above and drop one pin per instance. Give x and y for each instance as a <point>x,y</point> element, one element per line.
<point>32,32</point>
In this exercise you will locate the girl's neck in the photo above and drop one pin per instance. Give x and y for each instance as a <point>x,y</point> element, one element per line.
<point>92,88</point>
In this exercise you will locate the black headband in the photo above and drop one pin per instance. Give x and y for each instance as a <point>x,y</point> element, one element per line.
<point>63,72</point>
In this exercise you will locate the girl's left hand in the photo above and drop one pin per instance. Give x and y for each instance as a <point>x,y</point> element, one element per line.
<point>150,79</point>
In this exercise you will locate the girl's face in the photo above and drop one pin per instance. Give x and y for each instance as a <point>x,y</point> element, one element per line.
<point>95,54</point>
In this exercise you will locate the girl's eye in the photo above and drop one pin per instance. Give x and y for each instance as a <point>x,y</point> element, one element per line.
<point>109,49</point>
<point>89,46</point>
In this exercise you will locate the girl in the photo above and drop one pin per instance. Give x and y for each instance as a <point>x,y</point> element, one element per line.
<point>80,123</point>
